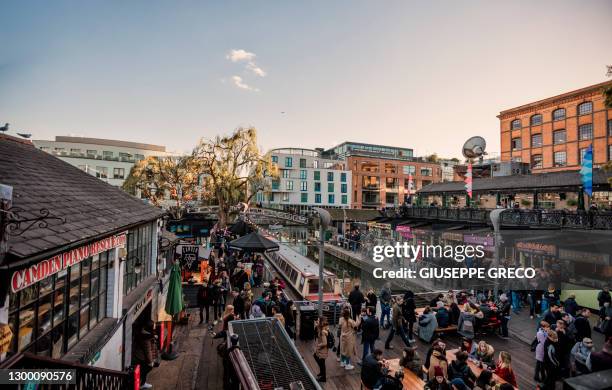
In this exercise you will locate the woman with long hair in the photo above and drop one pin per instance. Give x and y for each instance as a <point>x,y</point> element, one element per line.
<point>504,368</point>
<point>484,353</point>
<point>348,339</point>
<point>321,350</point>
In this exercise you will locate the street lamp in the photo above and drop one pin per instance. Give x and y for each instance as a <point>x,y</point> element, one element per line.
<point>324,221</point>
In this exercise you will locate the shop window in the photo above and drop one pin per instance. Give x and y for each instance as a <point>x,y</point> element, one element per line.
<point>137,263</point>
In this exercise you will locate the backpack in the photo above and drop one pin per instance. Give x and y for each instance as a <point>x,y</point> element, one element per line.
<point>331,342</point>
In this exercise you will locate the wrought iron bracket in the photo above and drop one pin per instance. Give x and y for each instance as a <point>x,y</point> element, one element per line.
<point>16,224</point>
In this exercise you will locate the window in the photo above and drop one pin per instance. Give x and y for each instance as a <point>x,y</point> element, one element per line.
<point>38,313</point>
<point>344,199</point>
<point>391,182</point>
<point>560,159</point>
<point>330,176</point>
<point>275,159</point>
<point>409,169</point>
<point>303,174</point>
<point>289,185</point>
<point>343,176</point>
<point>330,187</point>
<point>304,197</point>
<point>107,154</point>
<point>302,163</point>
<point>138,157</point>
<point>517,159</point>
<point>285,173</point>
<point>609,127</point>
<point>275,184</point>
<point>102,172</point>
<point>536,120</point>
<point>536,140</point>
<point>610,152</point>
<point>317,198</point>
<point>585,108</point>
<point>330,198</point>
<point>516,144</point>
<point>390,168</point>
<point>139,244</point>
<point>558,114</point>
<point>586,131</point>
<point>515,124</point>
<point>426,171</point>
<point>304,186</point>
<point>60,150</point>
<point>370,183</point>
<point>118,173</point>
<point>317,175</point>
<point>559,136</point>
<point>343,188</point>
<point>73,150</point>
<point>288,162</point>
<point>285,197</point>
<point>368,166</point>
<point>315,164</point>
<point>317,187</point>
<point>536,161</point>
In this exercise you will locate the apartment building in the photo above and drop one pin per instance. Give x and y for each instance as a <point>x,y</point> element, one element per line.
<point>381,174</point>
<point>306,179</point>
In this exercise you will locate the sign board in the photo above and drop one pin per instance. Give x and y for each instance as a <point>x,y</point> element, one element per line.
<point>479,240</point>
<point>405,231</point>
<point>28,276</point>
<point>537,248</point>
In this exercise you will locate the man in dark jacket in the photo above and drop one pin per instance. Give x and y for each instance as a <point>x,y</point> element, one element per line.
<point>372,369</point>
<point>504,313</point>
<point>238,303</point>
<point>408,311</point>
<point>604,296</point>
<point>602,360</point>
<point>371,331</point>
<point>460,369</point>
<point>570,306</point>
<point>356,300</point>
<point>582,324</point>
<point>204,301</point>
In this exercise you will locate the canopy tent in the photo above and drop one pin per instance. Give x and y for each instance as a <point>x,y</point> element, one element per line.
<point>254,242</point>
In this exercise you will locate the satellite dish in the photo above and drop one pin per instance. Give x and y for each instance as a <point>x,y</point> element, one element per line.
<point>474,147</point>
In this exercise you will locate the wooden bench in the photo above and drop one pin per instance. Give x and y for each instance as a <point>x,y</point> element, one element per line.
<point>411,380</point>
<point>448,329</point>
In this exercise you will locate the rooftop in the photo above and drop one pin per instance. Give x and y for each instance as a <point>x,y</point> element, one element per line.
<point>91,208</point>
<point>566,180</point>
<point>109,142</point>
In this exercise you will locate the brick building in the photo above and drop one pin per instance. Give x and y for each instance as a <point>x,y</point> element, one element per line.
<point>552,134</point>
<point>380,174</point>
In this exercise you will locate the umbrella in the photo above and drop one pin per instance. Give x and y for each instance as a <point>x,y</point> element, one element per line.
<point>174,299</point>
<point>254,242</point>
<point>240,228</point>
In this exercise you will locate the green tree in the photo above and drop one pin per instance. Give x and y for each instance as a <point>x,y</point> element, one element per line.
<point>162,179</point>
<point>233,170</point>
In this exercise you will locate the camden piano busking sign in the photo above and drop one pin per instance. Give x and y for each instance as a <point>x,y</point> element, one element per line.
<point>28,276</point>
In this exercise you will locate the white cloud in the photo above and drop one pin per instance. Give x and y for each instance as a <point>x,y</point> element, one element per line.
<point>237,81</point>
<point>240,55</point>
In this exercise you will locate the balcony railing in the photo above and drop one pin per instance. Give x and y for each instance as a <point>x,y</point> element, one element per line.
<point>94,156</point>
<point>87,377</point>
<point>519,218</point>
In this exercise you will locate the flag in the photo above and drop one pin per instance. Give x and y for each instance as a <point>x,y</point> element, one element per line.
<point>410,185</point>
<point>468,180</point>
<point>586,172</point>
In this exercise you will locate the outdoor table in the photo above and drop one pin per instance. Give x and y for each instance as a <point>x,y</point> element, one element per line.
<point>451,355</point>
<point>411,380</point>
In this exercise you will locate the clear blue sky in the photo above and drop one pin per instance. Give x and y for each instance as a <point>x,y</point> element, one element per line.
<point>424,75</point>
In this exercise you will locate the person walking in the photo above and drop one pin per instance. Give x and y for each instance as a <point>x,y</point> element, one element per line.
<point>348,339</point>
<point>408,311</point>
<point>144,352</point>
<point>356,300</point>
<point>385,306</point>
<point>321,347</point>
<point>397,324</point>
<point>370,332</point>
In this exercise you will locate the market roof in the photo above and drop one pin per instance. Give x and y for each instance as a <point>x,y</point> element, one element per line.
<point>566,180</point>
<point>353,215</point>
<point>91,208</point>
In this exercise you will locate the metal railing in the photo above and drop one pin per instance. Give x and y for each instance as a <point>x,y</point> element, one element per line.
<point>87,377</point>
<point>513,217</point>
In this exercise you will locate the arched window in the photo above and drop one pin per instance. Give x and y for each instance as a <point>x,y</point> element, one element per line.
<point>536,119</point>
<point>516,124</point>
<point>585,108</point>
<point>558,114</point>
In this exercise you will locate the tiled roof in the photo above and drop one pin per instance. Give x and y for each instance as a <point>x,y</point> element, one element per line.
<point>91,207</point>
<point>568,180</point>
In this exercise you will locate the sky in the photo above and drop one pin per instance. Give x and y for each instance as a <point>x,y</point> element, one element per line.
<point>423,75</point>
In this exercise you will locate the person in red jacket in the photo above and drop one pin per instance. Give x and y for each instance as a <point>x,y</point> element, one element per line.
<point>504,368</point>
